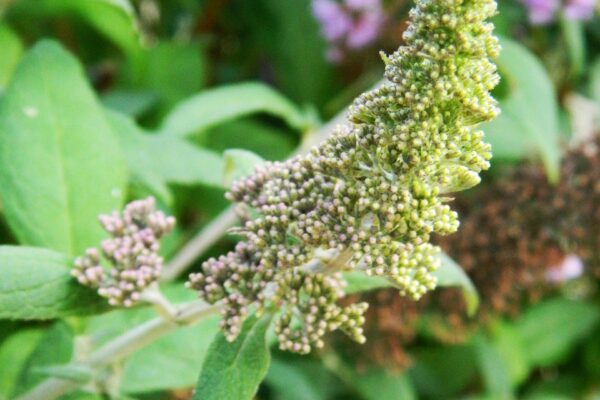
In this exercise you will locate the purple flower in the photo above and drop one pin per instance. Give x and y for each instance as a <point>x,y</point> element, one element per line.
<point>570,268</point>
<point>335,22</point>
<point>362,5</point>
<point>580,9</point>
<point>365,29</point>
<point>541,12</point>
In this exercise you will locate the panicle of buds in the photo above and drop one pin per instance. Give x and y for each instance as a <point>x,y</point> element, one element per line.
<point>372,194</point>
<point>132,252</point>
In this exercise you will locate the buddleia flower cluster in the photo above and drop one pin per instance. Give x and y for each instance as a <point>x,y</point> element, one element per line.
<point>370,196</point>
<point>132,252</point>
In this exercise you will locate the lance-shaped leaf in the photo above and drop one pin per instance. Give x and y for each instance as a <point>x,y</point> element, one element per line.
<point>60,164</point>
<point>36,283</point>
<point>234,370</point>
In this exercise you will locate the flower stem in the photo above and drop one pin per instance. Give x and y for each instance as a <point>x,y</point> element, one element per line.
<point>122,346</point>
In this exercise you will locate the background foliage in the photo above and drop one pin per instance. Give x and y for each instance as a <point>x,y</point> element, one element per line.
<point>103,101</point>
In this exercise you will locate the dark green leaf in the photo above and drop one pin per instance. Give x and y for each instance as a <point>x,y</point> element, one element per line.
<point>60,164</point>
<point>550,330</point>
<point>115,19</point>
<point>293,381</point>
<point>233,371</point>
<point>529,118</point>
<point>441,372</point>
<point>36,283</point>
<point>12,49</point>
<point>238,164</point>
<point>215,106</point>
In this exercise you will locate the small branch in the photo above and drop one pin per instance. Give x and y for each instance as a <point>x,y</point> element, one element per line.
<point>199,244</point>
<point>124,345</point>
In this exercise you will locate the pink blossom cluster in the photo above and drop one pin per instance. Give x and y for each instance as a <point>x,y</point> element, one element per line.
<point>348,24</point>
<point>543,12</point>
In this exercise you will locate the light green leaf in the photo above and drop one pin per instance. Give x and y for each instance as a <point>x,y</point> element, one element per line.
<point>449,274</point>
<point>493,369</point>
<point>529,118</point>
<point>14,352</point>
<point>574,35</point>
<point>234,370</point>
<point>379,384</point>
<point>215,106</point>
<point>55,347</point>
<point>550,330</point>
<point>60,164</point>
<point>359,282</point>
<point>134,103</point>
<point>35,283</point>
<point>595,81</point>
<point>509,346</point>
<point>282,376</point>
<point>173,361</point>
<point>12,49</point>
<point>238,164</point>
<point>156,159</point>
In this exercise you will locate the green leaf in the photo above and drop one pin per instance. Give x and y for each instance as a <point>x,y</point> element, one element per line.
<point>172,70</point>
<point>173,361</point>
<point>379,384</point>
<point>157,160</point>
<point>450,274</point>
<point>307,377</point>
<point>115,19</point>
<point>267,141</point>
<point>492,368</point>
<point>60,165</point>
<point>215,106</point>
<point>594,88</point>
<point>359,282</point>
<point>574,35</point>
<point>550,330</point>
<point>134,103</point>
<point>441,372</point>
<point>238,164</point>
<point>15,351</point>
<point>529,118</point>
<point>36,283</point>
<point>55,347</point>
<point>12,50</point>
<point>234,370</point>
<point>509,346</point>
<point>296,50</point>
